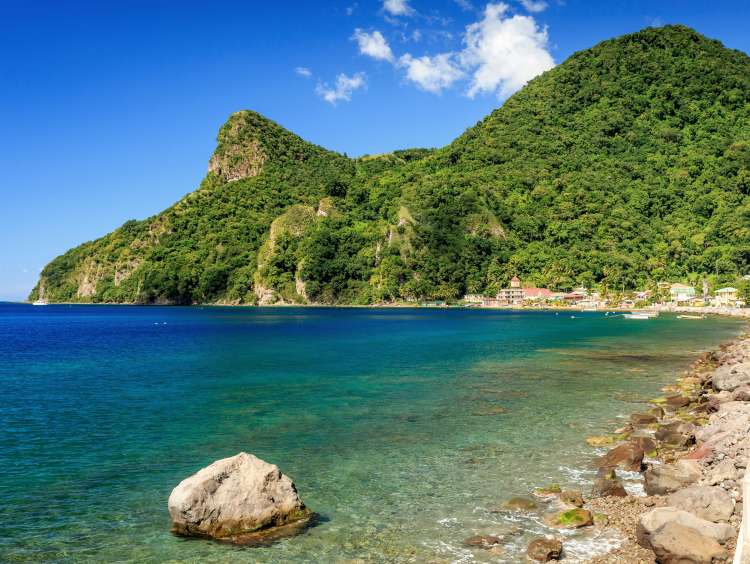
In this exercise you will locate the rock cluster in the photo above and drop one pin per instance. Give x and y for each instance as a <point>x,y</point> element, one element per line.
<point>701,444</point>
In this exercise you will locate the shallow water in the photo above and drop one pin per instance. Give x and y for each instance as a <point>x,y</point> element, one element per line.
<point>386,419</point>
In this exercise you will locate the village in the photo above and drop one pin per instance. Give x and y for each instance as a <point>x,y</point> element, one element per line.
<point>664,295</point>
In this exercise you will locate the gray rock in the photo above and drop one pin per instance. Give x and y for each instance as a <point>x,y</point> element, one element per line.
<point>675,543</point>
<point>665,478</point>
<point>656,518</point>
<point>731,376</point>
<point>724,470</point>
<point>233,497</point>
<point>708,502</point>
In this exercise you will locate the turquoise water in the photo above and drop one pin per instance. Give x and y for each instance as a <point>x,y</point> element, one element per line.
<point>386,419</point>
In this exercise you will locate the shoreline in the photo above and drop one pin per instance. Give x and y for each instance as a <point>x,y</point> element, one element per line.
<point>690,448</point>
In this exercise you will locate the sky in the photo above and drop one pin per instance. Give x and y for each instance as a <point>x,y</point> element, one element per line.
<point>109,110</point>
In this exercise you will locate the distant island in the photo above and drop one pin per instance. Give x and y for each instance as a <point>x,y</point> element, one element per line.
<point>626,166</point>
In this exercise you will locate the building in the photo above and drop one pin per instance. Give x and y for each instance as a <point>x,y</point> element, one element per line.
<point>681,293</point>
<point>473,298</point>
<point>536,294</point>
<point>725,297</point>
<point>512,295</point>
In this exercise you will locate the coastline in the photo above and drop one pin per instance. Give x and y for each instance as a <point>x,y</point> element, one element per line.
<point>690,448</point>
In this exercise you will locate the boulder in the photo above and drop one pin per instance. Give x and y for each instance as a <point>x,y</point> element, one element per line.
<point>729,377</point>
<point>628,456</point>
<point>608,484</point>
<point>544,550</point>
<point>675,543</point>
<point>654,519</point>
<point>742,393</point>
<point>724,470</point>
<point>675,402</point>
<point>520,504</point>
<point>657,411</point>
<point>236,496</point>
<point>640,419</point>
<point>665,478</point>
<point>708,502</point>
<point>571,519</point>
<point>572,497</point>
<point>647,444</point>
<point>675,427</point>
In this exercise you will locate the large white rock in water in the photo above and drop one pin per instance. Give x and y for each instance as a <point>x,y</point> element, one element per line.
<point>233,497</point>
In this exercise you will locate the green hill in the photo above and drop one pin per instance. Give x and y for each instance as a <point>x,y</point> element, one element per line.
<point>628,163</point>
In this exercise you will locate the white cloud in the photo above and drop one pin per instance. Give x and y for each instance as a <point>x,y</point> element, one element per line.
<point>351,9</point>
<point>432,74</point>
<point>303,71</point>
<point>398,7</point>
<point>504,52</point>
<point>465,5</point>
<point>534,6</point>
<point>343,89</point>
<point>373,45</point>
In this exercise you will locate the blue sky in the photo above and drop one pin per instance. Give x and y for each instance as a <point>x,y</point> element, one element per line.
<point>109,110</point>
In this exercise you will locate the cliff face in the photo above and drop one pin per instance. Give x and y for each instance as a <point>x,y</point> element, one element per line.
<point>629,162</point>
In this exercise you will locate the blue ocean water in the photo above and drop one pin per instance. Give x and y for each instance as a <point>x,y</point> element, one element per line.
<point>402,428</point>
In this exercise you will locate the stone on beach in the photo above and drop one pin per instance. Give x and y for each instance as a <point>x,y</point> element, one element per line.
<point>675,543</point>
<point>607,484</point>
<point>708,502</point>
<point>653,520</point>
<point>236,496</point>
<point>662,479</point>
<point>731,376</point>
<point>572,497</point>
<point>544,550</point>
<point>628,456</point>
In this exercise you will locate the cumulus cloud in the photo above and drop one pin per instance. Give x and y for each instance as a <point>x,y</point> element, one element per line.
<point>342,89</point>
<point>504,52</point>
<point>373,45</point>
<point>432,74</point>
<point>303,71</point>
<point>534,6</point>
<point>398,7</point>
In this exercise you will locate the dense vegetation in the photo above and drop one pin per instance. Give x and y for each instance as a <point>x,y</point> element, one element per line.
<point>625,165</point>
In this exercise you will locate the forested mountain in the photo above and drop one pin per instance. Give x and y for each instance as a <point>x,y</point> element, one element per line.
<point>628,163</point>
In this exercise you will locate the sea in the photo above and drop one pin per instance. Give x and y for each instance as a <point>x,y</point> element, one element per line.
<point>404,429</point>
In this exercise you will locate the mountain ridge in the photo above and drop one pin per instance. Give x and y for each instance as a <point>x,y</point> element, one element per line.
<point>625,164</point>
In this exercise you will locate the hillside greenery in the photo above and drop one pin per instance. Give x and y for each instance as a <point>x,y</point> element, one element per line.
<point>625,165</point>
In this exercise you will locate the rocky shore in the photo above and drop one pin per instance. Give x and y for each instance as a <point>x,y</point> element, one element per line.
<point>691,448</point>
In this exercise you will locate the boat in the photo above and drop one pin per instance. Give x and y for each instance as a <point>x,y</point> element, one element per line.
<point>691,317</point>
<point>40,302</point>
<point>636,316</point>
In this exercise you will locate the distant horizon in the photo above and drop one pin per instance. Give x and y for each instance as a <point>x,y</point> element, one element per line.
<point>111,112</point>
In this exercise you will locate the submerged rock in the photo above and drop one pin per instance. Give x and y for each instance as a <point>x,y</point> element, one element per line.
<point>482,541</point>
<point>544,550</point>
<point>571,519</point>
<point>520,504</point>
<point>236,497</point>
